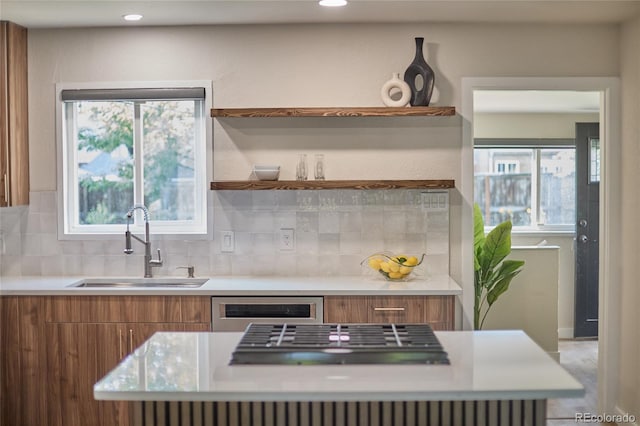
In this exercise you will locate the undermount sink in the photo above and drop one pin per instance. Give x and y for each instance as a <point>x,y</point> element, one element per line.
<point>140,282</point>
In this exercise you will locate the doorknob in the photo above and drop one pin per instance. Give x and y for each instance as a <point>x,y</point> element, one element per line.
<point>584,239</point>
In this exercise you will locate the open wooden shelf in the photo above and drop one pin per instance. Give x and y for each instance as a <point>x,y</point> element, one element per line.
<point>335,112</point>
<point>330,184</point>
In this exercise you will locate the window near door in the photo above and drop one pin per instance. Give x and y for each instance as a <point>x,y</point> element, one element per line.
<point>129,146</point>
<point>531,183</point>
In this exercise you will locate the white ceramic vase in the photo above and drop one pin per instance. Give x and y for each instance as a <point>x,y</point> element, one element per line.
<point>395,84</point>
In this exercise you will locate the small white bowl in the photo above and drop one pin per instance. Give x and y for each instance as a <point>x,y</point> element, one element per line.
<point>266,172</point>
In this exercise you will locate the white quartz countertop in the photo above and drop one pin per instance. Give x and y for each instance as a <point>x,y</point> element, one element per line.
<point>239,286</point>
<point>195,367</point>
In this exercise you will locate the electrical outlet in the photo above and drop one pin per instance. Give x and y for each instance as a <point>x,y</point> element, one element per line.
<point>227,244</point>
<point>287,239</point>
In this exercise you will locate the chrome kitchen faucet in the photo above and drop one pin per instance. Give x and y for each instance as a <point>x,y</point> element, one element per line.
<point>149,262</point>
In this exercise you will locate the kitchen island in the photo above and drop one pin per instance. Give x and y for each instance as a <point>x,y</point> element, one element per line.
<point>494,378</point>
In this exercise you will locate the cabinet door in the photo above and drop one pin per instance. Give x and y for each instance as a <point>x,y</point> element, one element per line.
<point>22,362</point>
<point>345,309</point>
<point>14,137</point>
<point>78,356</point>
<point>440,312</point>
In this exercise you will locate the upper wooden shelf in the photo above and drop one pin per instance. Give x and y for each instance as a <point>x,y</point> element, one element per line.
<point>335,112</point>
<point>331,184</point>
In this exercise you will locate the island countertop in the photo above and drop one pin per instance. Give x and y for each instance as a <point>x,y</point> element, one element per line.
<point>195,367</point>
<point>440,285</point>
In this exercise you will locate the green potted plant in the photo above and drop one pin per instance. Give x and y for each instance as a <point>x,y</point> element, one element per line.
<point>493,273</point>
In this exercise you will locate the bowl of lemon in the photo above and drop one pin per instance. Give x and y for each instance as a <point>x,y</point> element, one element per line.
<point>393,267</point>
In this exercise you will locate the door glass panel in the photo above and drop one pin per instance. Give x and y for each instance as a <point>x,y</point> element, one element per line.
<point>594,160</point>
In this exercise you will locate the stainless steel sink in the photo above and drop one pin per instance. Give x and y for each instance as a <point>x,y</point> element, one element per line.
<point>140,282</point>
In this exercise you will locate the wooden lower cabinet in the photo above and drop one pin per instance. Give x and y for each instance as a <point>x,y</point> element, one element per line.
<point>437,311</point>
<point>22,362</point>
<point>58,347</point>
<point>84,354</point>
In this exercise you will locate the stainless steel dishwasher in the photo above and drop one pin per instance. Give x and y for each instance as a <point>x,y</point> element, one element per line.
<point>235,313</point>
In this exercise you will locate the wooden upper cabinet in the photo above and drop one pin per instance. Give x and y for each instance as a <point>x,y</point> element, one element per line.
<point>14,122</point>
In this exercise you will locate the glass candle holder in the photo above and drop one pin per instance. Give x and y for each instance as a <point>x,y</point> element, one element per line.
<point>301,169</point>
<point>319,169</point>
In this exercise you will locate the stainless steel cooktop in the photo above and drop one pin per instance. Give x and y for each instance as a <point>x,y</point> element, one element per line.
<point>312,344</point>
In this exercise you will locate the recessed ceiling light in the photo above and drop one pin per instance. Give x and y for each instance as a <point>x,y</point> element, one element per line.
<point>132,17</point>
<point>333,3</point>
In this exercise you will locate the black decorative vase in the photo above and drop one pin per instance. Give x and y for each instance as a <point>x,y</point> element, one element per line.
<point>419,67</point>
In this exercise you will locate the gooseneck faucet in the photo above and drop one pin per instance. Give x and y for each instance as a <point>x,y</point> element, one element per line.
<point>149,262</point>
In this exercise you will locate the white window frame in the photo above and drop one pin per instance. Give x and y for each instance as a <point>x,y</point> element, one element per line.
<point>200,228</point>
<point>536,146</point>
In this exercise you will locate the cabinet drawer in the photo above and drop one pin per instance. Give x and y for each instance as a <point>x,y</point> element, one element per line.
<point>395,309</point>
<point>128,309</point>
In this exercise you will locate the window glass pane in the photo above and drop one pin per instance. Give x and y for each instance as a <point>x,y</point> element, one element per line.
<point>557,186</point>
<point>104,161</point>
<point>169,132</point>
<point>594,160</point>
<point>503,184</point>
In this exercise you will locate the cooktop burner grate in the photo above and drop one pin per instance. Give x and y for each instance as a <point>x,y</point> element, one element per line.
<point>339,344</point>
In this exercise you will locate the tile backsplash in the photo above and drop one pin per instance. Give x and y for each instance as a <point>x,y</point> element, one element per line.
<point>334,230</point>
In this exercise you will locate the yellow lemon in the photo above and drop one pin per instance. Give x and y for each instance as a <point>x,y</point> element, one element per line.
<point>406,270</point>
<point>384,266</point>
<point>394,267</point>
<point>374,263</point>
<point>395,275</point>
<point>411,261</point>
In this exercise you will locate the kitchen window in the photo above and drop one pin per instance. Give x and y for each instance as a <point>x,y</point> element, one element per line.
<point>134,145</point>
<point>530,182</point>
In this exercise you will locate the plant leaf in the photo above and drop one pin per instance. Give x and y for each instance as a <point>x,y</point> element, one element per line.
<point>497,246</point>
<point>478,228</point>
<point>508,270</point>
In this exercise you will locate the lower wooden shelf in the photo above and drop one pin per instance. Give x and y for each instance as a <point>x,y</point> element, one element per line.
<point>331,184</point>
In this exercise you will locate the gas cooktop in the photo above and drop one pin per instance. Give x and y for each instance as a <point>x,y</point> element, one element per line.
<point>312,344</point>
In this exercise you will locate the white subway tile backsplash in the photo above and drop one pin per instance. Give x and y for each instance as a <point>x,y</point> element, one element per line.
<point>262,221</point>
<point>32,245</point>
<point>50,245</point>
<point>307,221</point>
<point>284,219</point>
<point>263,243</point>
<point>334,231</point>
<point>31,265</point>
<point>328,244</point>
<point>328,222</point>
<point>10,265</point>
<point>243,243</point>
<point>350,221</point>
<point>263,200</point>
<point>72,265</point>
<point>307,242</point>
<point>394,222</point>
<point>286,200</point>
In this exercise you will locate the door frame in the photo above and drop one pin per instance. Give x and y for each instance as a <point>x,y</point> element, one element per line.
<point>610,233</point>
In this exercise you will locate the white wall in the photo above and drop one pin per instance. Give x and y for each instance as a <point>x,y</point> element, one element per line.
<point>629,385</point>
<point>519,125</point>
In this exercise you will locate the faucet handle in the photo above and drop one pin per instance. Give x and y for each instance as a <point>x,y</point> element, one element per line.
<point>190,270</point>
<point>158,262</point>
